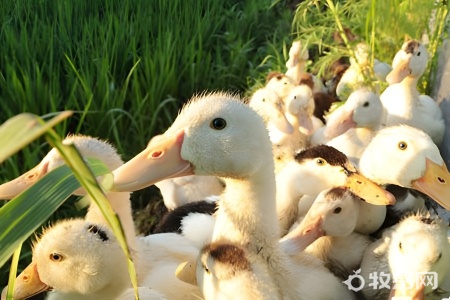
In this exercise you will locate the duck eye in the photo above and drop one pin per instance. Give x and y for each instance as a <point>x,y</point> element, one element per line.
<point>206,269</point>
<point>264,100</point>
<point>218,123</point>
<point>366,104</point>
<point>337,210</point>
<point>418,53</point>
<point>320,162</point>
<point>400,246</point>
<point>56,257</point>
<point>402,146</point>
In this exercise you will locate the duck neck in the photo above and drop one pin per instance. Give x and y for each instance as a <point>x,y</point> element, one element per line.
<point>247,212</point>
<point>409,85</point>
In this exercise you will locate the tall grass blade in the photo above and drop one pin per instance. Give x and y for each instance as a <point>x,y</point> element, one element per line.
<point>13,272</point>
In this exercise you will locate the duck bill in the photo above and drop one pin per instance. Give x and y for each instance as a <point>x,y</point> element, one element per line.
<point>305,123</point>
<point>400,72</point>
<point>368,190</point>
<point>27,284</point>
<point>16,186</point>
<point>340,124</point>
<point>435,183</point>
<point>410,293</point>
<point>160,160</point>
<point>309,230</point>
<point>186,272</point>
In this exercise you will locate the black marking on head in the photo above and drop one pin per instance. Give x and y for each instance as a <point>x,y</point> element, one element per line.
<point>171,221</point>
<point>333,156</point>
<point>101,234</point>
<point>411,46</point>
<point>228,254</point>
<point>428,220</point>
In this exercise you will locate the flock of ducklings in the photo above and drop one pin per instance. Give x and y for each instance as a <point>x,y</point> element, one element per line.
<point>268,198</point>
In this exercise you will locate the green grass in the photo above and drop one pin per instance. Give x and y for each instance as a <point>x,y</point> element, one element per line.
<point>126,67</point>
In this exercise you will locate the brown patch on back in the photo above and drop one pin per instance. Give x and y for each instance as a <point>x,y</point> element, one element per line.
<point>333,156</point>
<point>411,46</point>
<point>228,254</point>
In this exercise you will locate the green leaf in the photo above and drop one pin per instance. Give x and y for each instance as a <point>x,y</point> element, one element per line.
<point>21,216</point>
<point>22,129</point>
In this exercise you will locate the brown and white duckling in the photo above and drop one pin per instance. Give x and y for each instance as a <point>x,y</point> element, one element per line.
<point>316,169</point>
<point>336,210</point>
<point>225,270</point>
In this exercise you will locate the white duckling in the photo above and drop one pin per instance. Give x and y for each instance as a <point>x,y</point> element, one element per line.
<point>402,100</point>
<point>299,107</point>
<point>217,142</point>
<point>270,107</point>
<point>77,260</point>
<point>354,124</point>
<point>337,212</point>
<point>280,83</point>
<point>410,250</point>
<point>316,169</point>
<point>407,157</point>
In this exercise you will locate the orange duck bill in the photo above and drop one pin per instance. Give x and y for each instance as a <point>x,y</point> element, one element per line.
<point>27,284</point>
<point>368,190</point>
<point>160,160</point>
<point>435,183</point>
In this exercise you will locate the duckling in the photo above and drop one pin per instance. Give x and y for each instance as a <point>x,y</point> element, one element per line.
<point>355,123</point>
<point>340,247</point>
<point>407,157</point>
<point>87,264</point>
<point>416,246</point>
<point>228,271</point>
<point>280,83</point>
<point>316,169</point>
<point>402,100</point>
<point>247,214</point>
